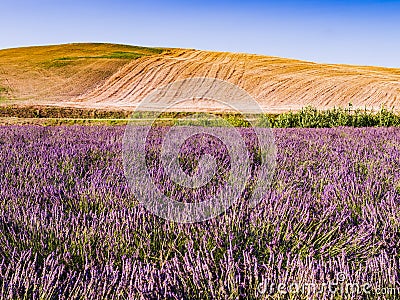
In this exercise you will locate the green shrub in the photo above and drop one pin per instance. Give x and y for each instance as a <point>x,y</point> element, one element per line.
<point>310,117</point>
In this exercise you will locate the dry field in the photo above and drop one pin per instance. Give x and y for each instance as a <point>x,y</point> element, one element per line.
<point>110,76</point>
<point>40,75</point>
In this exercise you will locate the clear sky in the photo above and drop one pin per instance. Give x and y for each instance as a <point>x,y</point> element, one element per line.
<point>353,32</point>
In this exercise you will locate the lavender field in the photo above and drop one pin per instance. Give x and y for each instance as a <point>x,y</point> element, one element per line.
<point>71,229</point>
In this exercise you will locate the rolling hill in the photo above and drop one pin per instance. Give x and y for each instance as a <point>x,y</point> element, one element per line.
<point>109,76</point>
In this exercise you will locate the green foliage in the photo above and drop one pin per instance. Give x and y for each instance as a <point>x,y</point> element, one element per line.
<point>310,117</point>
<point>3,93</point>
<point>116,54</point>
<point>131,53</point>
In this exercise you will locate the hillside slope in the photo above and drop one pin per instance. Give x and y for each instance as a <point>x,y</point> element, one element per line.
<point>38,75</point>
<point>121,83</point>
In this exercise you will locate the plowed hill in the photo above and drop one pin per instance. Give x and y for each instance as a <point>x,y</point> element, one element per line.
<point>98,78</point>
<point>39,75</point>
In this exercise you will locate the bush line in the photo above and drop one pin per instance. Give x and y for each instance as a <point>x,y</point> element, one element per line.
<point>308,117</point>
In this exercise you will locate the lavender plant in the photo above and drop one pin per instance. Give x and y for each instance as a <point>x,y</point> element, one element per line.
<point>71,229</point>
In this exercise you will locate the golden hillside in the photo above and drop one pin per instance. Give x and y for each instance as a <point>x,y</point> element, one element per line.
<point>118,77</point>
<point>58,73</point>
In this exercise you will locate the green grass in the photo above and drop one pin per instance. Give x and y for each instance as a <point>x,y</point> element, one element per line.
<point>71,60</point>
<point>131,53</point>
<point>116,54</point>
<point>3,93</point>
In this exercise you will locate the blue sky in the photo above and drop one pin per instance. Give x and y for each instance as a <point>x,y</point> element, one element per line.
<point>352,32</point>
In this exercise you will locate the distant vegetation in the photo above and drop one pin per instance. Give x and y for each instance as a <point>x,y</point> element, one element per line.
<point>117,54</point>
<point>3,93</point>
<point>137,52</point>
<point>308,117</point>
